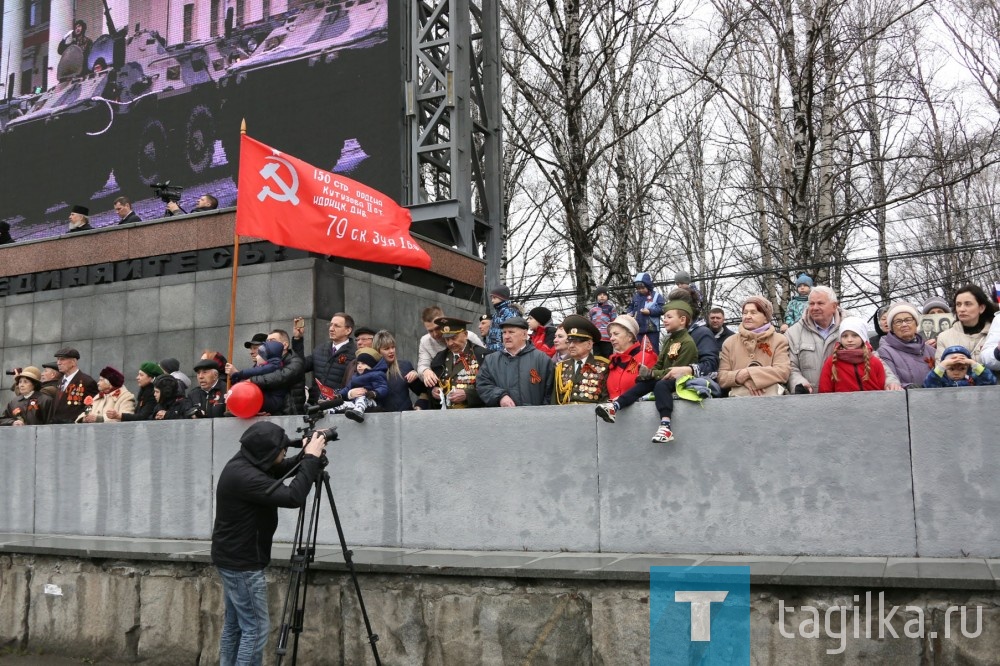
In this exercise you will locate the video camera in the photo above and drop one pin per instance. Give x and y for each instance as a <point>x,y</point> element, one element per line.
<point>312,416</point>
<point>167,192</point>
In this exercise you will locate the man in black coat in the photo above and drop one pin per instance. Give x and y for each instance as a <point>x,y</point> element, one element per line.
<point>123,207</point>
<point>209,396</point>
<point>75,388</point>
<point>290,378</point>
<point>246,516</point>
<point>329,360</point>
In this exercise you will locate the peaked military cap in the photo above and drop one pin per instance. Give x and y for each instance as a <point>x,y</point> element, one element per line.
<point>581,328</point>
<point>451,326</point>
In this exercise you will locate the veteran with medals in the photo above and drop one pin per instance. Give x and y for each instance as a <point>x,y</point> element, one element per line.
<point>582,378</point>
<point>457,366</point>
<point>75,388</point>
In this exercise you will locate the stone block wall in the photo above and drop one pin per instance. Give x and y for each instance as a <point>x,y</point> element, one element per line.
<point>170,613</point>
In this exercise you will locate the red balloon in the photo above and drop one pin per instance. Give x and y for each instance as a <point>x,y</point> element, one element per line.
<point>244,400</point>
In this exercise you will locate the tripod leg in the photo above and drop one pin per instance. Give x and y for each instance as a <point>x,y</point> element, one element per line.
<point>303,550</point>
<point>349,559</point>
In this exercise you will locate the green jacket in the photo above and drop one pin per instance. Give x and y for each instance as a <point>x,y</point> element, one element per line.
<point>678,349</point>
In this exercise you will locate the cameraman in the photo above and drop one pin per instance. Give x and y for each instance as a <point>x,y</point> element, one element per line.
<point>246,517</point>
<point>205,202</point>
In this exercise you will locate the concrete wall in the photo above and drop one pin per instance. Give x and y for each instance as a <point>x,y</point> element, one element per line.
<point>124,324</point>
<point>165,613</point>
<point>849,474</point>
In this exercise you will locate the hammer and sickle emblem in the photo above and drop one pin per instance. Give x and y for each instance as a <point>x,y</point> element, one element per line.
<point>288,192</point>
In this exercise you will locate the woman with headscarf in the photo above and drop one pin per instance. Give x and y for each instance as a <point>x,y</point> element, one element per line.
<point>145,401</point>
<point>974,311</point>
<point>755,361</point>
<point>904,352</point>
<point>112,399</point>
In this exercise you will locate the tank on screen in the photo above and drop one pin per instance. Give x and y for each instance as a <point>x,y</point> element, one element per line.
<point>168,106</point>
<point>76,116</point>
<point>316,60</point>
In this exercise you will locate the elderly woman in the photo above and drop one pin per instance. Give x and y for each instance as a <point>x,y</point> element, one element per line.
<point>974,311</point>
<point>904,352</point>
<point>31,406</point>
<point>112,399</point>
<point>629,355</point>
<point>755,361</point>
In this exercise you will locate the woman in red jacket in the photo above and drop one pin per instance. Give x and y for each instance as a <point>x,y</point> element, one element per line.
<point>852,366</point>
<point>628,356</point>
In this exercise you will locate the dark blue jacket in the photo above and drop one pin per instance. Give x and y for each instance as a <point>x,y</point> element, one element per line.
<point>372,380</point>
<point>651,322</point>
<point>398,399</point>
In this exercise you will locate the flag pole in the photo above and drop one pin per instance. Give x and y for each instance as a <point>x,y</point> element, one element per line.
<point>236,268</point>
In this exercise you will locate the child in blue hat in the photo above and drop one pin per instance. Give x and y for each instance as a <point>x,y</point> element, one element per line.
<point>957,368</point>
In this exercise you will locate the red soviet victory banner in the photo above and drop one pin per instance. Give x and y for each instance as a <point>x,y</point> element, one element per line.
<point>292,203</point>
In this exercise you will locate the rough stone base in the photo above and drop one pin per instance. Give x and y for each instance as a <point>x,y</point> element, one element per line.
<point>162,613</point>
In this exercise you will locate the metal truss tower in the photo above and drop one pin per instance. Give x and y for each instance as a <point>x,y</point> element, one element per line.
<point>453,122</point>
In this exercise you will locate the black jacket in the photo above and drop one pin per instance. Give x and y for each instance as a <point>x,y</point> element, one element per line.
<point>212,402</point>
<point>291,378</point>
<point>246,516</point>
<point>144,405</point>
<point>130,218</point>
<point>326,368</point>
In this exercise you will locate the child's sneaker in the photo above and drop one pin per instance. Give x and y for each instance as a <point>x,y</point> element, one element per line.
<point>663,435</point>
<point>356,414</point>
<point>606,410</point>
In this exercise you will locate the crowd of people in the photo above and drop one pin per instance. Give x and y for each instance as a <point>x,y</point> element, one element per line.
<point>659,347</point>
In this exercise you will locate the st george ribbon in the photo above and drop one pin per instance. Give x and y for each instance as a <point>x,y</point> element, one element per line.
<point>292,203</point>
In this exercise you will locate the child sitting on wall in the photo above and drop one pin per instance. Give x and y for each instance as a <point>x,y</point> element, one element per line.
<point>366,387</point>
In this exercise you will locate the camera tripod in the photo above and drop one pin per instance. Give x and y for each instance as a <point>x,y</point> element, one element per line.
<point>303,553</point>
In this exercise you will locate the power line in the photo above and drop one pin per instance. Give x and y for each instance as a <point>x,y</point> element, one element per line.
<point>912,254</point>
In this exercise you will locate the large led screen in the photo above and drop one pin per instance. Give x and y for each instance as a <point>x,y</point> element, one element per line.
<point>105,98</point>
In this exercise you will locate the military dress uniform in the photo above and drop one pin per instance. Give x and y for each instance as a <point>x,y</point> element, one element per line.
<point>585,382</point>
<point>587,385</point>
<point>458,371</point>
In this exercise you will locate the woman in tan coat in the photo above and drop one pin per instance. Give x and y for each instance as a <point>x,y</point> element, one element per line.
<point>112,396</point>
<point>755,361</point>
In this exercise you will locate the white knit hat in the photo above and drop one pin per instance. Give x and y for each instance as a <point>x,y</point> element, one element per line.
<point>856,324</point>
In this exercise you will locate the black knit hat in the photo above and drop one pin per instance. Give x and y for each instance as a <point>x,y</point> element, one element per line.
<point>601,289</point>
<point>541,314</point>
